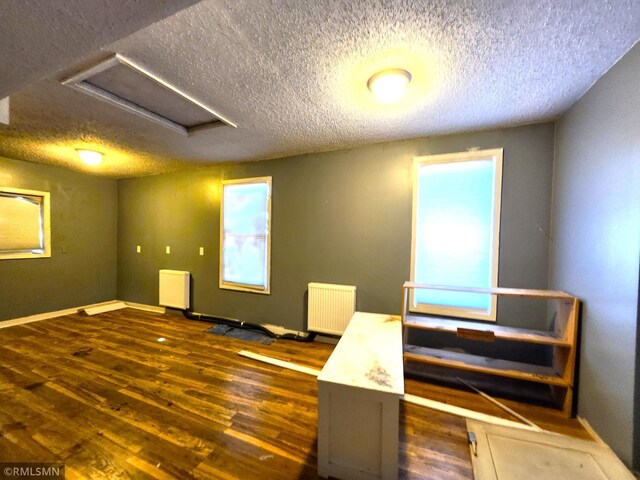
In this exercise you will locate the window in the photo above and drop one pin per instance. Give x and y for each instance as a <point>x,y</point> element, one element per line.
<point>456,231</point>
<point>245,238</point>
<point>24,224</point>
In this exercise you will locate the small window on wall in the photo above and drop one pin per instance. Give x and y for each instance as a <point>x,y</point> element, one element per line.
<point>24,224</point>
<point>456,231</point>
<point>245,237</point>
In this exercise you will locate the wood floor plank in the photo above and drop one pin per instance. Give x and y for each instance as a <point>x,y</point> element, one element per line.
<point>103,395</point>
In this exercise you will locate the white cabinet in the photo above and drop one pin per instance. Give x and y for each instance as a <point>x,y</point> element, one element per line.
<point>359,391</point>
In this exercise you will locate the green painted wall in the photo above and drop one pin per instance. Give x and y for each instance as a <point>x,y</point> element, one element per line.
<point>596,249</point>
<point>338,217</point>
<point>82,267</point>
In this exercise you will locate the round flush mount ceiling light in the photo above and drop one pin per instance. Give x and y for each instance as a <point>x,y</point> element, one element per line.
<point>389,85</point>
<point>90,157</point>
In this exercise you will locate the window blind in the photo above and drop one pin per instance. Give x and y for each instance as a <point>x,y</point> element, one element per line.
<point>21,226</point>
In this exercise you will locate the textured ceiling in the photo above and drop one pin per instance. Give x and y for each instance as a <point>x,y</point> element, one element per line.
<point>292,75</point>
<point>38,37</point>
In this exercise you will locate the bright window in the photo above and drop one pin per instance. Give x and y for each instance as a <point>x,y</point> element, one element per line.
<point>245,222</point>
<point>24,224</point>
<point>456,231</point>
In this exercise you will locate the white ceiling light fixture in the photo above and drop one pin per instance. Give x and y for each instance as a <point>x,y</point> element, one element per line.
<point>127,85</point>
<point>389,85</point>
<point>90,157</point>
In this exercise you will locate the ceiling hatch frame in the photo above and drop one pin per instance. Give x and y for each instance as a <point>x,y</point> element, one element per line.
<point>79,81</point>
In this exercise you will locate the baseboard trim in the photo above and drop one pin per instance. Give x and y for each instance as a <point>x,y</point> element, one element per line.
<point>146,308</point>
<point>69,311</point>
<point>587,426</point>
<point>326,339</point>
<point>110,307</point>
<point>47,315</point>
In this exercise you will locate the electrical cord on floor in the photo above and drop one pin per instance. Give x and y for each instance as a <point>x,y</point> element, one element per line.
<point>299,338</point>
<point>232,322</point>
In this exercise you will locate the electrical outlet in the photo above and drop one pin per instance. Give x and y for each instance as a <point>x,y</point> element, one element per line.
<point>201,251</point>
<point>168,250</point>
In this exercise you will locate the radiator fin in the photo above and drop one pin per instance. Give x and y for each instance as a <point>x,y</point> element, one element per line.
<point>330,307</point>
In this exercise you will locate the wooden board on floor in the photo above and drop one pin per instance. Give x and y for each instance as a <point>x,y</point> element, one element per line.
<point>280,363</point>
<point>465,412</point>
<point>108,307</point>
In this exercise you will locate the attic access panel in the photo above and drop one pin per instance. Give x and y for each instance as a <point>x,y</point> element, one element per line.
<point>123,83</point>
<point>506,453</point>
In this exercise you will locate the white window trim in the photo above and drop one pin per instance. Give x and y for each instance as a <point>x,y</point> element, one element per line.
<point>490,154</point>
<point>46,224</point>
<point>239,286</point>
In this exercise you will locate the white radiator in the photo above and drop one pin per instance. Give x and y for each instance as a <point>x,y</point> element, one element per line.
<point>174,289</point>
<point>330,307</point>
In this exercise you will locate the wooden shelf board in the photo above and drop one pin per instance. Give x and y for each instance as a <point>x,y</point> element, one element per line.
<point>501,332</point>
<point>513,292</point>
<point>500,387</point>
<point>476,363</point>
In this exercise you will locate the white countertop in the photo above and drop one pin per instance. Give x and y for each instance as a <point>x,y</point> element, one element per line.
<point>369,354</point>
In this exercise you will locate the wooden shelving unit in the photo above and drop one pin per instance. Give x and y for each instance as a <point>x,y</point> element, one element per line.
<point>562,339</point>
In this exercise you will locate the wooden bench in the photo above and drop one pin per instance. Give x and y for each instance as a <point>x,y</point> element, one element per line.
<point>359,392</point>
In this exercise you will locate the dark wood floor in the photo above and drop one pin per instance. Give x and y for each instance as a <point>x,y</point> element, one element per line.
<point>103,395</point>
